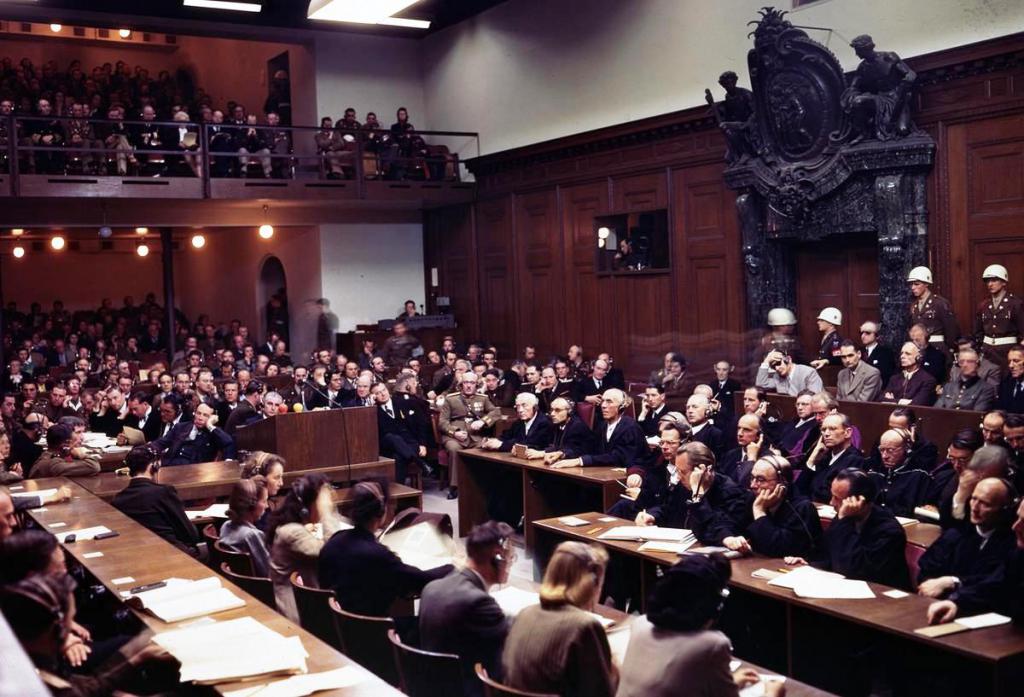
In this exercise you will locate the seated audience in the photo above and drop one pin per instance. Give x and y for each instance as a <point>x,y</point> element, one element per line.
<point>619,442</point>
<point>674,650</point>
<point>902,485</point>
<point>1011,390</point>
<point>402,430</point>
<point>967,390</point>
<point>198,440</point>
<point>738,462</point>
<point>778,373</point>
<point>532,429</point>
<point>570,439</point>
<point>702,430</point>
<point>833,453</point>
<point>457,614</point>
<point>246,505</point>
<point>62,458</point>
<point>366,576</point>
<point>559,647</point>
<point>911,384</point>
<point>858,381</point>
<point>864,541</point>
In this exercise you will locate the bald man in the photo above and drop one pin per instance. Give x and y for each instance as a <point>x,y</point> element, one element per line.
<point>902,486</point>
<point>697,415</point>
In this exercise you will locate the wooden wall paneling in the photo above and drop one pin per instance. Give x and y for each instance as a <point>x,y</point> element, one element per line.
<point>640,192</point>
<point>450,248</point>
<point>645,321</point>
<point>589,305</point>
<point>496,274</point>
<point>540,287</point>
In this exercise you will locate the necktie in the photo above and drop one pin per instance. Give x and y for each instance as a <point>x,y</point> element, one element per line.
<point>1018,390</point>
<point>388,409</point>
<point>598,382</point>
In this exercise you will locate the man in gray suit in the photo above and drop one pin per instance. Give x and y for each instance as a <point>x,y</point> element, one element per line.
<point>968,390</point>
<point>858,381</point>
<point>458,615</point>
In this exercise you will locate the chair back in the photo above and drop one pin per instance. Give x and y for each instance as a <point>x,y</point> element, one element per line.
<point>913,555</point>
<point>425,673</point>
<point>240,562</point>
<point>492,688</point>
<point>585,410</point>
<point>210,535</point>
<point>314,606</point>
<point>258,587</point>
<point>365,640</point>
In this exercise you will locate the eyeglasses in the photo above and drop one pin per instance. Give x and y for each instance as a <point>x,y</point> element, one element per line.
<point>758,479</point>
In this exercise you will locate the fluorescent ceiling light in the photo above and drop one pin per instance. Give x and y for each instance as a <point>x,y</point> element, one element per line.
<point>225,5</point>
<point>365,12</point>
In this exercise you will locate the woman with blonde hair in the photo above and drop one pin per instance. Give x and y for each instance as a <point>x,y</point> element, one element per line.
<point>270,466</point>
<point>559,646</point>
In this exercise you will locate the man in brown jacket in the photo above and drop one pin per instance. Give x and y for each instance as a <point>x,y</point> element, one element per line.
<point>465,419</point>
<point>60,459</point>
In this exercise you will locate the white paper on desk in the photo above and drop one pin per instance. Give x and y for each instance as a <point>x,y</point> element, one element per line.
<point>572,521</point>
<point>906,522</point>
<point>302,685</point>
<point>256,650</point>
<point>41,493</point>
<point>989,619</point>
<point>826,512</point>
<point>670,547</point>
<point>420,545</point>
<point>841,589</point>
<point>216,510</point>
<point>802,574</point>
<point>758,688</point>
<point>642,533</point>
<point>923,512</point>
<point>82,533</point>
<point>182,601</point>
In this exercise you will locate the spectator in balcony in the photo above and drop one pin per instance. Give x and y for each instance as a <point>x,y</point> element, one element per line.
<point>114,135</point>
<point>252,141</point>
<point>78,133</point>
<point>6,109</point>
<point>186,138</point>
<point>399,145</point>
<point>149,136</point>
<point>328,143</point>
<point>46,132</point>
<point>279,140</point>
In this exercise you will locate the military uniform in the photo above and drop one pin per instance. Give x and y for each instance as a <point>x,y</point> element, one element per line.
<point>830,348</point>
<point>457,413</point>
<point>1000,327</point>
<point>936,314</point>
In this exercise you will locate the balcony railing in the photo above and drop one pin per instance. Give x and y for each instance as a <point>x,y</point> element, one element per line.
<point>67,156</point>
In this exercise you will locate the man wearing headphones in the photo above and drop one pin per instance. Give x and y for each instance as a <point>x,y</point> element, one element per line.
<point>778,373</point>
<point>864,541</point>
<point>697,415</point>
<point>910,385</point>
<point>738,462</point>
<point>649,488</point>
<point>987,461</point>
<point>60,459</point>
<point>571,438</point>
<point>620,442</point>
<point>833,452</point>
<point>458,615</point>
<point>965,556</point>
<point>782,525</point>
<point>155,506</point>
<point>902,485</point>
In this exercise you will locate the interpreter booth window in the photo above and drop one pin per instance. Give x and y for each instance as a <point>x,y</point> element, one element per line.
<point>632,243</point>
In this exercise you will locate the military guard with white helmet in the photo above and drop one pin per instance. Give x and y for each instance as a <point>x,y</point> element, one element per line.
<point>829,320</point>
<point>781,336</point>
<point>999,322</point>
<point>931,310</point>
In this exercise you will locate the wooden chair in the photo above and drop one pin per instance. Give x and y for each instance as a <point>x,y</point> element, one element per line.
<point>240,562</point>
<point>913,554</point>
<point>585,410</point>
<point>315,615</point>
<point>425,673</point>
<point>210,535</point>
<point>493,688</point>
<point>365,640</point>
<point>259,587</point>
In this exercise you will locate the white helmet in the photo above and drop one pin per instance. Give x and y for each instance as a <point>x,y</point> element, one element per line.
<point>920,273</point>
<point>996,271</point>
<point>831,315</point>
<point>780,317</point>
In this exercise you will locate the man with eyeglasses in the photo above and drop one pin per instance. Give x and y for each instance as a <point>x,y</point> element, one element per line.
<point>857,381</point>
<point>902,486</point>
<point>967,391</point>
<point>572,438</point>
<point>946,476</point>
<point>875,354</point>
<point>987,370</point>
<point>780,374</point>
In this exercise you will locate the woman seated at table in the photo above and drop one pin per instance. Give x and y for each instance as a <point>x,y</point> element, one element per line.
<point>366,576</point>
<point>296,534</point>
<point>674,651</point>
<point>559,646</point>
<point>270,466</point>
<point>41,611</point>
<point>246,505</point>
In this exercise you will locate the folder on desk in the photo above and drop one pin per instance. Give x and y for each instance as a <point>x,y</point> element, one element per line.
<point>186,599</point>
<point>133,436</point>
<point>963,624</point>
<point>641,533</point>
<point>808,582</point>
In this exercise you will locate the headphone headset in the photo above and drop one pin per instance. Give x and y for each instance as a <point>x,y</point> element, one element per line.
<point>574,550</point>
<point>33,590</point>
<point>861,483</point>
<point>1009,510</point>
<point>783,468</point>
<point>300,493</point>
<point>499,559</point>
<point>375,489</point>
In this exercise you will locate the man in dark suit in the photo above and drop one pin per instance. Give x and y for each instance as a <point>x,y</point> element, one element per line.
<point>703,431</point>
<point>723,389</point>
<point>653,409</point>
<point>198,440</point>
<point>570,436</point>
<point>796,432</point>
<point>911,385</point>
<point>833,453</point>
<point>155,506</point>
<point>864,541</point>
<point>619,441</point>
<point>396,433</point>
<point>300,391</point>
<point>591,389</point>
<point>113,411</point>
<point>1011,389</point>
<point>457,615</point>
<point>224,407</point>
<point>874,354</point>
<point>533,429</point>
<point>500,393</point>
<point>142,416</point>
<point>935,356</point>
<point>737,463</point>
<point>248,410</point>
<point>615,376</point>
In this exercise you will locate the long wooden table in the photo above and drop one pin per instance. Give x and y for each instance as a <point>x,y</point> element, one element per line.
<point>212,479</point>
<point>993,657</point>
<point>147,558</point>
<point>541,488</point>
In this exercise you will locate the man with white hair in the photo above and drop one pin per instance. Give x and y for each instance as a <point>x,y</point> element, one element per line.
<point>778,373</point>
<point>911,385</point>
<point>697,412</point>
<point>533,429</point>
<point>619,440</point>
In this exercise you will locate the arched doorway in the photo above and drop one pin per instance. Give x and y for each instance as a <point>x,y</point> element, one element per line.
<point>273,299</point>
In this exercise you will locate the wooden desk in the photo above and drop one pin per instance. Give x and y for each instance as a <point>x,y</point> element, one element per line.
<point>210,479</point>
<point>147,558</point>
<point>402,496</point>
<point>919,534</point>
<point>601,485</point>
<point>992,657</point>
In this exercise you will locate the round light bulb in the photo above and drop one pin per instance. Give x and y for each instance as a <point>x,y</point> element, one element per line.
<point>124,33</point>
<point>55,28</point>
<point>17,231</point>
<point>266,231</point>
<point>603,232</point>
<point>142,250</point>
<point>106,231</point>
<point>141,230</point>
<point>57,242</point>
<point>18,252</point>
<point>198,241</point>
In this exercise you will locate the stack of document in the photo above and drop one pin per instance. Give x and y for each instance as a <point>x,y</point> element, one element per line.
<point>420,545</point>
<point>512,601</point>
<point>640,533</point>
<point>38,493</point>
<point>808,582</point>
<point>228,651</point>
<point>184,600</point>
<point>302,685</point>
<point>216,510</point>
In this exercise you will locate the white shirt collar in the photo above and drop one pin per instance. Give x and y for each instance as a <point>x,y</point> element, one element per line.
<point>694,430</point>
<point>529,424</point>
<point>611,428</point>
